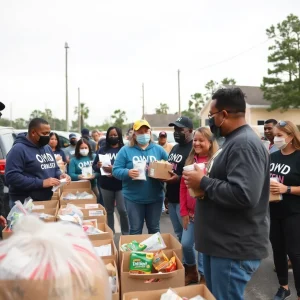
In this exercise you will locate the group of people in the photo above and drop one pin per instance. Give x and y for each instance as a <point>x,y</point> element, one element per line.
<point>226,229</point>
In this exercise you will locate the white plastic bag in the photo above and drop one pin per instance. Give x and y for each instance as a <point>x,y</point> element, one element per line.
<point>62,183</point>
<point>105,159</point>
<point>50,261</point>
<point>141,167</point>
<point>154,243</point>
<point>71,213</point>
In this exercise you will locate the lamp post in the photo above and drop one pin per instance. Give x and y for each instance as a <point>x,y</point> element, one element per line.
<point>67,100</point>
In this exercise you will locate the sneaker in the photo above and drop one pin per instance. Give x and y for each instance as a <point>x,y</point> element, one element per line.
<point>282,294</point>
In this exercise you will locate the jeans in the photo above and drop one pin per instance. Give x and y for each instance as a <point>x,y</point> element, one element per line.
<point>100,198</point>
<point>227,278</point>
<point>174,212</point>
<point>284,236</point>
<point>137,213</point>
<point>188,248</point>
<point>109,198</point>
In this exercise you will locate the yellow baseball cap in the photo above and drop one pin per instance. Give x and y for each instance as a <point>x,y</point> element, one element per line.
<point>138,124</point>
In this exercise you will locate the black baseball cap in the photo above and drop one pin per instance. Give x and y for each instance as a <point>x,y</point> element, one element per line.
<point>2,106</point>
<point>183,122</point>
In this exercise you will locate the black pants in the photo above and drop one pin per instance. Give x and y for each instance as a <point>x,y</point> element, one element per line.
<point>285,240</point>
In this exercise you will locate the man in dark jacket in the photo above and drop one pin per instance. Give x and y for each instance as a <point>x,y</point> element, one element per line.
<point>232,217</point>
<point>31,169</point>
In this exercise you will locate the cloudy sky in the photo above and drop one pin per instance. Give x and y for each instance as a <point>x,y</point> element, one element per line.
<point>116,45</point>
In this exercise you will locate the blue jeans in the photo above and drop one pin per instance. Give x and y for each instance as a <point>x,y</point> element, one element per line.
<point>137,213</point>
<point>188,248</point>
<point>174,212</point>
<point>227,278</point>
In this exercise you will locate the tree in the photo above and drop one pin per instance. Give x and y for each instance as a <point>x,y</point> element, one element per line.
<point>47,115</point>
<point>83,111</point>
<point>282,87</point>
<point>228,81</point>
<point>162,110</point>
<point>36,114</point>
<point>119,117</point>
<point>20,123</point>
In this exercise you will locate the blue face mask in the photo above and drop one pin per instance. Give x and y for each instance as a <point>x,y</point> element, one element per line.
<point>143,139</point>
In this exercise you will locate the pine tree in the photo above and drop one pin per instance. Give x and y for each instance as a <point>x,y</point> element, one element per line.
<point>282,87</point>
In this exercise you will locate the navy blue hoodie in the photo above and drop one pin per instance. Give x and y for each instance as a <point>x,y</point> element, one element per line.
<point>27,165</point>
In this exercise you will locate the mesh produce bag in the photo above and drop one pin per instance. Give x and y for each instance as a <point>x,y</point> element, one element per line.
<point>50,261</point>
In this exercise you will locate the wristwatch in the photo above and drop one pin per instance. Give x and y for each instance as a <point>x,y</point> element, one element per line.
<point>288,190</point>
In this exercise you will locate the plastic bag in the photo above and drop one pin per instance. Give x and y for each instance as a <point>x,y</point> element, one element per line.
<point>105,159</point>
<point>84,195</point>
<point>70,196</point>
<point>170,295</point>
<point>141,167</point>
<point>71,213</point>
<point>18,211</point>
<point>50,261</point>
<point>62,183</point>
<point>154,242</point>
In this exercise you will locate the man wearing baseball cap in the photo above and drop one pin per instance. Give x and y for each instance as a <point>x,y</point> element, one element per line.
<point>70,150</point>
<point>183,135</point>
<point>162,141</point>
<point>85,133</point>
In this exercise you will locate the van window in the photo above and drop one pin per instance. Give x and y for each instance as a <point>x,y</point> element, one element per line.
<point>6,143</point>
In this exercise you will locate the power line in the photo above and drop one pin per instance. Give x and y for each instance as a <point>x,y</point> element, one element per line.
<point>234,56</point>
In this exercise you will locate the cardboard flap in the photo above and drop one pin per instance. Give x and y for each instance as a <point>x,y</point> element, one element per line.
<point>153,275</point>
<point>82,184</point>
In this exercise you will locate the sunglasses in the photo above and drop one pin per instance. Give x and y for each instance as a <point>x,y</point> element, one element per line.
<point>282,123</point>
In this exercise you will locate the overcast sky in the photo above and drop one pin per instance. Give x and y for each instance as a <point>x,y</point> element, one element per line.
<point>117,45</point>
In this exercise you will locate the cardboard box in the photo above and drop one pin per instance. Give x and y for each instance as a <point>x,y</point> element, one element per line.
<point>196,193</point>
<point>160,170</point>
<point>77,201</point>
<point>95,211</point>
<point>43,289</point>
<point>187,291</point>
<point>136,282</point>
<point>108,233</point>
<point>275,197</point>
<point>115,296</point>
<point>6,234</point>
<point>41,205</point>
<point>49,211</point>
<point>81,184</point>
<point>114,253</point>
<point>171,242</point>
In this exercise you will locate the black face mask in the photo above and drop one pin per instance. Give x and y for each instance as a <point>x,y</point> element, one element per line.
<point>44,140</point>
<point>113,141</point>
<point>179,137</point>
<point>73,143</point>
<point>216,131</point>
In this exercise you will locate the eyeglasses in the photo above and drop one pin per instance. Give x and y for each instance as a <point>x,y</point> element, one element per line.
<point>210,115</point>
<point>282,123</point>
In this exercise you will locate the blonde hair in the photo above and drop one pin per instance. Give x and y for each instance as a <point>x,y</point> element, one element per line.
<point>291,129</point>
<point>213,145</point>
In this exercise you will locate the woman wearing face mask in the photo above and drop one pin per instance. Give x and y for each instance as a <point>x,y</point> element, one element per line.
<point>83,158</point>
<point>204,147</point>
<point>110,187</point>
<point>143,198</point>
<point>55,146</point>
<point>285,214</point>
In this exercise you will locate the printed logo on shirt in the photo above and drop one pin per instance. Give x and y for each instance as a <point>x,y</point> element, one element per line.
<point>112,156</point>
<point>175,159</point>
<point>85,164</point>
<point>281,170</point>
<point>144,158</point>
<point>46,160</point>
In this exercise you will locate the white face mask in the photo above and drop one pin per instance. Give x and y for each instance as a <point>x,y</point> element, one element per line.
<point>84,152</point>
<point>280,142</point>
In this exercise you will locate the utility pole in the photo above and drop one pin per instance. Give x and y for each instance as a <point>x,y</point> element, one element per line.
<point>79,111</point>
<point>11,114</point>
<point>67,100</point>
<point>179,102</point>
<point>143,97</point>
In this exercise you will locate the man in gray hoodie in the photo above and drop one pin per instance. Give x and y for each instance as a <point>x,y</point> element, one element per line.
<point>232,216</point>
